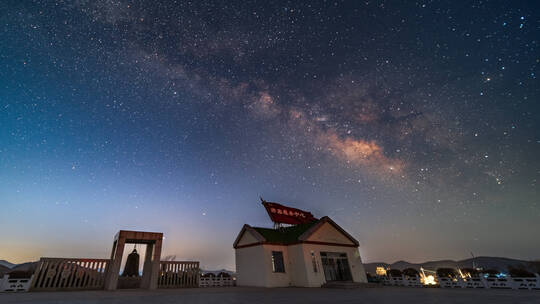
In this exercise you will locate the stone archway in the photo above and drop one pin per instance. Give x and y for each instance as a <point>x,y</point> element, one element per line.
<point>152,240</point>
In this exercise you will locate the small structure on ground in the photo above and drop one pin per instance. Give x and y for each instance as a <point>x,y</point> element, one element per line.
<point>309,253</point>
<point>153,242</point>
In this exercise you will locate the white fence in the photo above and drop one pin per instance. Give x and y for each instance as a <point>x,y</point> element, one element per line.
<point>395,281</point>
<point>216,281</point>
<point>491,282</point>
<point>411,281</point>
<point>473,283</point>
<point>530,283</point>
<point>498,283</point>
<point>526,283</point>
<point>446,282</point>
<point>407,281</point>
<point>14,285</point>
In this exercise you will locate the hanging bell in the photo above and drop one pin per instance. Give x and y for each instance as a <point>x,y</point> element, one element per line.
<point>131,268</point>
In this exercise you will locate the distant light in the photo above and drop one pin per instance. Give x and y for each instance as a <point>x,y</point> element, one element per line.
<point>429,280</point>
<point>380,271</point>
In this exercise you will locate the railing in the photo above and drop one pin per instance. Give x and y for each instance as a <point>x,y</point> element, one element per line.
<point>526,283</point>
<point>69,274</point>
<point>412,281</point>
<point>529,283</point>
<point>446,282</point>
<point>216,281</point>
<point>14,285</point>
<point>396,281</point>
<point>178,274</point>
<point>498,283</point>
<point>474,282</point>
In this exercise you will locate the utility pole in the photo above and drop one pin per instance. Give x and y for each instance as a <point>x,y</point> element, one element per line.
<point>473,264</point>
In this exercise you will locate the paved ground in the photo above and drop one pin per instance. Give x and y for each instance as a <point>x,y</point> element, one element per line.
<point>393,295</point>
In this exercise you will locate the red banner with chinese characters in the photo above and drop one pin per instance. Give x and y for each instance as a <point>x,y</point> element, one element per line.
<point>287,215</point>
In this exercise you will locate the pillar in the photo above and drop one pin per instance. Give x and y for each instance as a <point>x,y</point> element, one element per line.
<point>151,265</point>
<point>111,281</point>
<point>147,267</point>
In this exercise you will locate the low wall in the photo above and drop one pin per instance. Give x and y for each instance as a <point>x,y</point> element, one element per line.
<point>69,274</point>
<point>175,274</point>
<point>8,284</point>
<point>530,283</point>
<point>216,281</point>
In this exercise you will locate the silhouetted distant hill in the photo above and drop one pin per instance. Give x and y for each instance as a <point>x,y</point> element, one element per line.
<point>6,264</point>
<point>501,264</point>
<point>7,267</point>
<point>28,266</point>
<point>4,270</point>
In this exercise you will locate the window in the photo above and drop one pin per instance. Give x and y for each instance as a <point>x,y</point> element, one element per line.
<point>313,261</point>
<point>277,261</point>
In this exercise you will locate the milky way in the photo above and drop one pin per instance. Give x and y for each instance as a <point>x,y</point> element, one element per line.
<point>415,125</point>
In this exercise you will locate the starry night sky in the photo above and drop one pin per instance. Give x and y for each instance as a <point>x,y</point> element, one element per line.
<point>414,125</point>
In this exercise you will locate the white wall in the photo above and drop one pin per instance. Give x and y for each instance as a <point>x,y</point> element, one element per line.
<point>277,279</point>
<point>254,266</point>
<point>313,279</point>
<point>250,271</point>
<point>297,265</point>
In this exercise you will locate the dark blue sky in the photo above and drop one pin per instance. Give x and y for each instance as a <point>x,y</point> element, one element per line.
<point>415,125</point>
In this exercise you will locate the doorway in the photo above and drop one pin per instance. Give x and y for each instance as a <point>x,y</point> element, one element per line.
<point>129,280</point>
<point>336,266</point>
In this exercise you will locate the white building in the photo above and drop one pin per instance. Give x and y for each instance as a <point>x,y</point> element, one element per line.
<point>304,255</point>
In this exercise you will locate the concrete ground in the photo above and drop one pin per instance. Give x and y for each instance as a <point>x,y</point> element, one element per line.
<point>224,295</point>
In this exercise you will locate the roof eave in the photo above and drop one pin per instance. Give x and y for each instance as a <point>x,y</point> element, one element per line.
<point>254,232</point>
